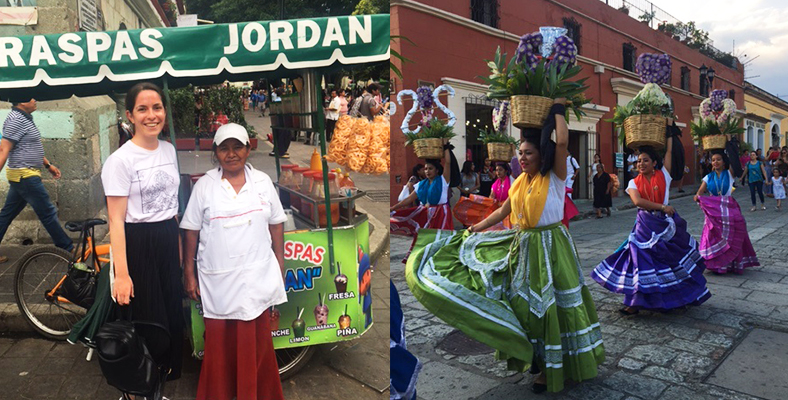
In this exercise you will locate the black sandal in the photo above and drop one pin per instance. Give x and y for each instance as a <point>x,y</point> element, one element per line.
<point>628,312</point>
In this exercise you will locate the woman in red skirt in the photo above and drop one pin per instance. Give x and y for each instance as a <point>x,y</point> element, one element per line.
<point>433,210</point>
<point>235,211</point>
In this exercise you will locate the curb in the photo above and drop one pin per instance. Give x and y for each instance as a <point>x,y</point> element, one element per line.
<point>379,237</point>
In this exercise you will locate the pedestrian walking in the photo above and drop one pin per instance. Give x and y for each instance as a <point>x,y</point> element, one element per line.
<point>755,174</point>
<point>777,183</point>
<point>520,291</point>
<point>725,244</point>
<point>22,149</point>
<point>659,266</point>
<point>416,176</point>
<point>503,182</point>
<point>603,191</point>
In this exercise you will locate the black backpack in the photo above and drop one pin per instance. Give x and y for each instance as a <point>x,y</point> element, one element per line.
<point>125,360</point>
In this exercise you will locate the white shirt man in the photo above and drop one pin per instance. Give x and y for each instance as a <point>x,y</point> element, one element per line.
<point>572,167</point>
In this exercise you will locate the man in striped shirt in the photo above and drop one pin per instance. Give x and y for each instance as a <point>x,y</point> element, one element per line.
<point>21,147</point>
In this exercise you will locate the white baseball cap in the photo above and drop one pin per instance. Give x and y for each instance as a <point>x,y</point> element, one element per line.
<point>231,131</point>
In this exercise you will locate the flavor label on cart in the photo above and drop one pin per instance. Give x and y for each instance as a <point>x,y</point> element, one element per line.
<point>324,304</point>
<point>341,296</point>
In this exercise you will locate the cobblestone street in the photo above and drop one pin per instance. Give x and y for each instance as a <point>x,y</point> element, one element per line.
<point>670,356</point>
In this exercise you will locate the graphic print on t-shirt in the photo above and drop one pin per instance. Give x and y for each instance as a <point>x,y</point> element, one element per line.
<point>158,188</point>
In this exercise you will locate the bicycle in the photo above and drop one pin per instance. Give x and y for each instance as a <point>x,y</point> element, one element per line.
<point>42,271</point>
<point>41,274</point>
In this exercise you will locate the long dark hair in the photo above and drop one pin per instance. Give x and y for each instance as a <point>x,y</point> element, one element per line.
<point>466,168</point>
<point>415,170</point>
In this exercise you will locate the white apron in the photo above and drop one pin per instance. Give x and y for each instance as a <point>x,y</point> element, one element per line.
<point>238,271</point>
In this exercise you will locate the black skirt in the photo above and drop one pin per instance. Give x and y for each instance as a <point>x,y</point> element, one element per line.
<point>154,266</point>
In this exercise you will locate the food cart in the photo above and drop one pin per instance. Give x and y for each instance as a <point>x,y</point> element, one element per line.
<point>326,258</point>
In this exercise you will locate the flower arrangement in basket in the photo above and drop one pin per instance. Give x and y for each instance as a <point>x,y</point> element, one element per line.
<point>539,72</point>
<point>642,121</point>
<point>432,133</point>
<point>716,122</point>
<point>428,141</point>
<point>500,146</point>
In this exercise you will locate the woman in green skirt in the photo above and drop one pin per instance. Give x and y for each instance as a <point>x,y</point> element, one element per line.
<point>519,291</point>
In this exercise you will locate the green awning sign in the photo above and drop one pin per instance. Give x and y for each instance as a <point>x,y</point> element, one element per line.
<point>80,58</point>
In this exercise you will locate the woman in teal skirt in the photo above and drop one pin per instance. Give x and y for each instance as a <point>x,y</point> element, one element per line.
<point>519,291</point>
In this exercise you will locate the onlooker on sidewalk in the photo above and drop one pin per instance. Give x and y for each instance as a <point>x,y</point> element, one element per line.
<point>369,107</point>
<point>332,115</point>
<point>343,101</point>
<point>263,102</point>
<point>21,147</point>
<point>603,191</point>
<point>283,136</point>
<point>572,168</point>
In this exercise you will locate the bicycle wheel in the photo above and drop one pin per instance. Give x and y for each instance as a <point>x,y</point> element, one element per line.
<point>292,360</point>
<point>38,271</point>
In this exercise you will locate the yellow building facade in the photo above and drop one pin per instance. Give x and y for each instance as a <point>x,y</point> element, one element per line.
<point>765,118</point>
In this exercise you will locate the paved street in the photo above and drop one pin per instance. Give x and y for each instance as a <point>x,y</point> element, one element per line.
<point>34,368</point>
<point>671,356</point>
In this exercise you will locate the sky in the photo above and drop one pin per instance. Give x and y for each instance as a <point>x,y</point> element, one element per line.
<point>759,27</point>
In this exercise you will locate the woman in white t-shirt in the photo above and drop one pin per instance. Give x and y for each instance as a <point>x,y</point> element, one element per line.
<point>141,182</point>
<point>235,212</point>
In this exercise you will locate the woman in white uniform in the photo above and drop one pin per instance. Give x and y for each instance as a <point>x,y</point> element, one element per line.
<point>235,211</point>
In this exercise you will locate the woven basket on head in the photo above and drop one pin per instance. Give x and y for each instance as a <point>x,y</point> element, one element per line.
<point>714,142</point>
<point>499,151</point>
<point>530,111</point>
<point>645,130</point>
<point>428,148</point>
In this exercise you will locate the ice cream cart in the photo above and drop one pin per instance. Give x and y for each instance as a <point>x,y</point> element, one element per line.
<point>327,254</point>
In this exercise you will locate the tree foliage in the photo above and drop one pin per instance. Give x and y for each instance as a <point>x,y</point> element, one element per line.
<point>226,11</point>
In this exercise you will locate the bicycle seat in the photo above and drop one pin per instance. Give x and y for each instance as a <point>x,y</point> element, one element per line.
<point>78,226</point>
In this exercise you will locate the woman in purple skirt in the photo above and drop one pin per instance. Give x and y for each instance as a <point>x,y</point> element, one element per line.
<point>658,267</point>
<point>725,244</point>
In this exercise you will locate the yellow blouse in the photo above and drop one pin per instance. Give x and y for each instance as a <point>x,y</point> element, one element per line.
<point>527,197</point>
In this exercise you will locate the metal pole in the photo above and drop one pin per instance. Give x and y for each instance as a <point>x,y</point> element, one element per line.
<point>319,126</point>
<point>171,126</point>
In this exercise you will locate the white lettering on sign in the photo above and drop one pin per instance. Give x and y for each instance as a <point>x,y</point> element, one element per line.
<point>72,53</point>
<point>246,37</point>
<point>11,47</point>
<point>333,33</point>
<point>341,296</point>
<point>123,47</point>
<point>358,31</point>
<point>41,51</point>
<point>97,42</point>
<point>314,29</point>
<point>233,46</point>
<point>281,32</point>
<point>153,48</point>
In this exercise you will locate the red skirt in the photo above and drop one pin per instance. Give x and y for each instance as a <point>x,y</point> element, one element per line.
<point>239,362</point>
<point>408,221</point>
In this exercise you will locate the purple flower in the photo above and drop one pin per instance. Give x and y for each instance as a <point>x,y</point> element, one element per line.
<point>653,68</point>
<point>425,99</point>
